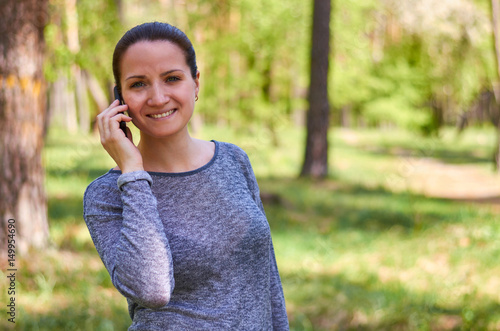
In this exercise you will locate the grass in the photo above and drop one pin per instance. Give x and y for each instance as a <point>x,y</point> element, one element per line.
<point>362,250</point>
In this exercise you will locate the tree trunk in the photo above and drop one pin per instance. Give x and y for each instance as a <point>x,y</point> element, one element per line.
<point>81,100</point>
<point>62,104</point>
<point>495,13</point>
<point>73,41</point>
<point>98,94</point>
<point>120,10</point>
<point>316,153</point>
<point>22,114</point>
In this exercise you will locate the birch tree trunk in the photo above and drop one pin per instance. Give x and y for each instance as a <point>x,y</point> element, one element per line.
<point>22,115</point>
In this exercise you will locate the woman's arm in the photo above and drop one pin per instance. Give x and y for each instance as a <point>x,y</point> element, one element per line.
<point>131,242</point>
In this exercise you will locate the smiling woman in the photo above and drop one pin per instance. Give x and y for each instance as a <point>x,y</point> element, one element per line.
<point>178,223</point>
<point>157,87</point>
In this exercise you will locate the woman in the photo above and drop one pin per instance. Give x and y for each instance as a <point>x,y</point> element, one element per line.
<point>178,223</point>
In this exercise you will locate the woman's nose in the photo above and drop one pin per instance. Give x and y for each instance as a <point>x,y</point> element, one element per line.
<point>158,96</point>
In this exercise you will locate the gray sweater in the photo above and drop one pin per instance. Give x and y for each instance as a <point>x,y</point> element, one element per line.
<point>189,251</point>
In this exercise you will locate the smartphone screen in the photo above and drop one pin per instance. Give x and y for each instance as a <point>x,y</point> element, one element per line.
<point>123,124</point>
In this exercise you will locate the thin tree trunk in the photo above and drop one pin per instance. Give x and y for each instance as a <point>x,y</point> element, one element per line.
<point>73,41</point>
<point>81,99</point>
<point>22,115</point>
<point>96,91</point>
<point>69,110</point>
<point>495,13</point>
<point>120,10</point>
<point>316,153</point>
<point>62,104</point>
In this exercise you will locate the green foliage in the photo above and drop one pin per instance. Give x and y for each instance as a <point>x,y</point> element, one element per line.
<point>394,61</point>
<point>397,96</point>
<point>250,65</point>
<point>61,58</point>
<point>98,29</point>
<point>414,65</point>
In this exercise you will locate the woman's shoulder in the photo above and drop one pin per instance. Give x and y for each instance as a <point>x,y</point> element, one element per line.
<point>102,187</point>
<point>235,158</point>
<point>102,197</point>
<point>233,151</point>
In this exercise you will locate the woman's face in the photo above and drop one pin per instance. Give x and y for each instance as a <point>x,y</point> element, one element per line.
<point>158,87</point>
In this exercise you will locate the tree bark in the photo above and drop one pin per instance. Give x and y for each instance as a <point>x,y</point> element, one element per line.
<point>22,114</point>
<point>316,153</point>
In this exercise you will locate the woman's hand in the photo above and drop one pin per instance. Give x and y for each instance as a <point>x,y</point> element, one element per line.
<point>120,147</point>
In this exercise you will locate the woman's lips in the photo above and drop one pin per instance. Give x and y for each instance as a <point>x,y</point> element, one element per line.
<point>165,114</point>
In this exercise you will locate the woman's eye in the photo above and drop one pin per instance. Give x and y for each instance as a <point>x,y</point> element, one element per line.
<point>137,84</point>
<point>172,79</point>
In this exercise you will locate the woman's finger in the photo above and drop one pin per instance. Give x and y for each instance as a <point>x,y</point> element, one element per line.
<point>104,118</point>
<point>114,109</point>
<point>101,119</point>
<point>114,125</point>
<point>121,117</point>
<point>100,125</point>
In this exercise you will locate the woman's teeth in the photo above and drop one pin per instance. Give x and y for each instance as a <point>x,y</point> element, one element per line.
<point>163,114</point>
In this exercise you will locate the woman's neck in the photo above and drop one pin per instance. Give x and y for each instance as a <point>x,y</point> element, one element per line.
<point>179,153</point>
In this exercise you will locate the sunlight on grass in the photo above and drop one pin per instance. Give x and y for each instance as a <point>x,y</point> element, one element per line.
<point>360,250</point>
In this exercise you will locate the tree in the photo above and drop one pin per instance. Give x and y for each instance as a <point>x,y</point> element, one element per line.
<point>316,153</point>
<point>495,13</point>
<point>79,42</point>
<point>22,116</point>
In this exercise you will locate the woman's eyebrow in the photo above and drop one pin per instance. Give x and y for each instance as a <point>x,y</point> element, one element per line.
<point>135,76</point>
<point>161,75</point>
<point>170,71</point>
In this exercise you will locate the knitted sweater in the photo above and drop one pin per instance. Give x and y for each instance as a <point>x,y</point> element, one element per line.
<point>189,250</point>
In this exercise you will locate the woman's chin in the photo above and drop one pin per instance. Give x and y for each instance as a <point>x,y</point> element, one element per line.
<point>163,134</point>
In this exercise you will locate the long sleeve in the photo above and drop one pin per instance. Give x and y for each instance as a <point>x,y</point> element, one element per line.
<point>130,238</point>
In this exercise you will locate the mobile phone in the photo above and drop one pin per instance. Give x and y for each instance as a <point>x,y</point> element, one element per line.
<point>123,124</point>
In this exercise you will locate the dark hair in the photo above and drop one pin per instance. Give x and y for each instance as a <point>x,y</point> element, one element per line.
<point>154,31</point>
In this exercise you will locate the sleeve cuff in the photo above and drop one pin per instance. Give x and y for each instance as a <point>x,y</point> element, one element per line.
<point>132,177</point>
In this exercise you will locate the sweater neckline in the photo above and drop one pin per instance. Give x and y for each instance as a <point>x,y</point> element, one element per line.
<point>185,173</point>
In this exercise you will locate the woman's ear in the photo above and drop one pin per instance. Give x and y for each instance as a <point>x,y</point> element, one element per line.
<point>197,83</point>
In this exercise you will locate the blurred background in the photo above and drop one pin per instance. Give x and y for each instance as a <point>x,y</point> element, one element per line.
<point>400,229</point>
